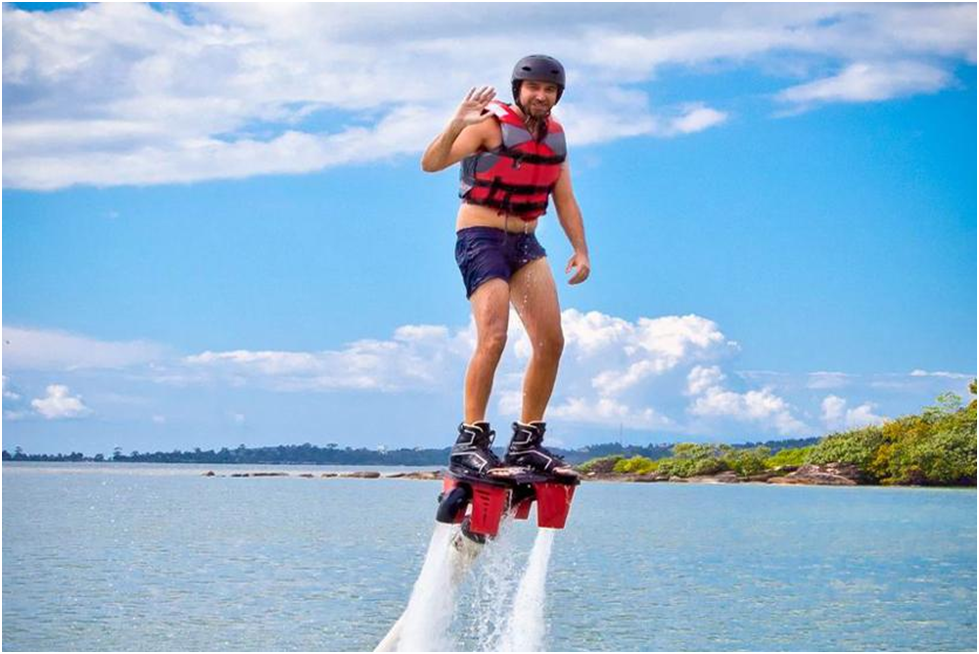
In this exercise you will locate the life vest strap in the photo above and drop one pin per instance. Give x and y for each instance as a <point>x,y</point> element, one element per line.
<point>517,189</point>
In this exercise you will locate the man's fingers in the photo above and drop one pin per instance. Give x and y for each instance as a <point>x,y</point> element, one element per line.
<point>479,96</point>
<point>579,276</point>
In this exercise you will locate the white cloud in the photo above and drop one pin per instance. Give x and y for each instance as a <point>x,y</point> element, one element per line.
<point>834,409</point>
<point>762,406</point>
<point>863,415</point>
<point>58,404</point>
<point>940,373</point>
<point>13,406</point>
<point>203,158</point>
<point>922,381</point>
<point>827,380</point>
<point>590,411</point>
<point>610,365</point>
<point>613,356</point>
<point>870,82</point>
<point>666,373</point>
<point>623,361</point>
<point>419,357</point>
<point>123,93</point>
<point>8,393</point>
<point>608,412</point>
<point>44,349</point>
<point>702,378</point>
<point>837,416</point>
<point>613,370</point>
<point>886,386</point>
<point>597,117</point>
<point>675,337</point>
<point>696,118</point>
<point>592,332</point>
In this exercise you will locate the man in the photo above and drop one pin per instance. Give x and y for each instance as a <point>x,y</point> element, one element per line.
<point>513,160</point>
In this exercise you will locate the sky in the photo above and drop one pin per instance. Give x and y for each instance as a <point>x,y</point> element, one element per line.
<point>216,230</point>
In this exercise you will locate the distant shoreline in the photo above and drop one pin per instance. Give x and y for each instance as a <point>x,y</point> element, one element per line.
<point>833,474</point>
<point>806,476</point>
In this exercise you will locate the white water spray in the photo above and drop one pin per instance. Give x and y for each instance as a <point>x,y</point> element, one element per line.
<point>492,588</point>
<point>429,613</point>
<point>504,614</point>
<point>524,630</point>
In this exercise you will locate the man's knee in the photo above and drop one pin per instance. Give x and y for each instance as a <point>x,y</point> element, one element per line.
<point>492,343</point>
<point>550,346</point>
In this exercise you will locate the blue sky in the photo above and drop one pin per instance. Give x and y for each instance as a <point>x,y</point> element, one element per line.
<point>216,230</point>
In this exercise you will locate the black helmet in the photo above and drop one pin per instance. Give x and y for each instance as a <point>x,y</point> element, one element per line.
<point>540,68</point>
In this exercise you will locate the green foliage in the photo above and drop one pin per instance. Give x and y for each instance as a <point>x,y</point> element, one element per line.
<point>637,465</point>
<point>790,457</point>
<point>602,464</point>
<point>936,447</point>
<point>858,446</point>
<point>690,459</point>
<point>746,462</point>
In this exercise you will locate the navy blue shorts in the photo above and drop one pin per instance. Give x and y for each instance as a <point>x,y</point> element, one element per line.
<point>486,252</point>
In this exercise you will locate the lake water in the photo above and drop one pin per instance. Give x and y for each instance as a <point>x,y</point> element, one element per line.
<point>158,557</point>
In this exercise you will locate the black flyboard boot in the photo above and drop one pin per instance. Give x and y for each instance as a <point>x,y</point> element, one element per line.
<point>472,453</point>
<point>475,480</point>
<point>478,482</point>
<point>526,450</point>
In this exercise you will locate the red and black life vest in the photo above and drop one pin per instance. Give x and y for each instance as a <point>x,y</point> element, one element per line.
<point>518,176</point>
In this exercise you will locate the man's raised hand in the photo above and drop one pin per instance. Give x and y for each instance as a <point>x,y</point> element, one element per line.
<point>472,109</point>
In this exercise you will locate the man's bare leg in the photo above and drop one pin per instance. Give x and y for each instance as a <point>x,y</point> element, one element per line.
<point>534,296</point>
<point>491,311</point>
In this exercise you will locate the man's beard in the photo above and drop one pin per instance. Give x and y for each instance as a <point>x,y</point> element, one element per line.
<point>538,110</point>
<point>535,115</point>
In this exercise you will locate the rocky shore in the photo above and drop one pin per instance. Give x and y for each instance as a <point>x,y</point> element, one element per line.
<point>831,474</point>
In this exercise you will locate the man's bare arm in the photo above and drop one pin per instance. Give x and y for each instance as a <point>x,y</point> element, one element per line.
<point>568,212</point>
<point>569,215</point>
<point>464,134</point>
